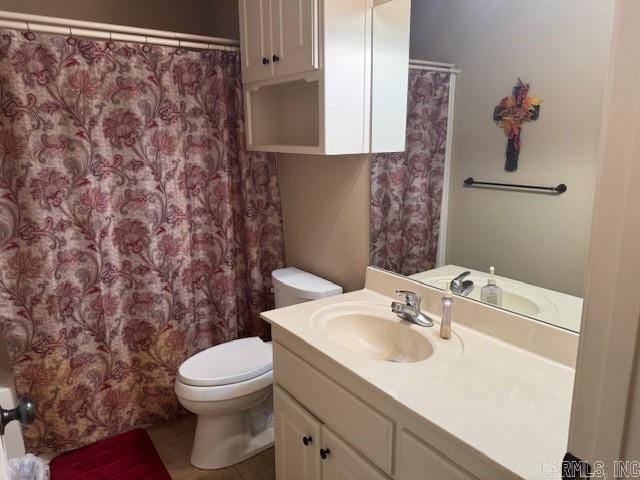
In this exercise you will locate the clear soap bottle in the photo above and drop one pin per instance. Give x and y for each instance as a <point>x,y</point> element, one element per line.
<point>445,321</point>
<point>491,293</point>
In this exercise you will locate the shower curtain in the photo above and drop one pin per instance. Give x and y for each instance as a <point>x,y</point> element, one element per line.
<point>406,188</point>
<point>135,229</point>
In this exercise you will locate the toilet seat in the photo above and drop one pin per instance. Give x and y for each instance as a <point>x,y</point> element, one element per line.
<point>226,371</point>
<point>220,393</point>
<point>228,363</point>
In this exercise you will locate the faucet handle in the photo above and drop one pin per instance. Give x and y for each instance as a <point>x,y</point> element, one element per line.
<point>411,298</point>
<point>458,280</point>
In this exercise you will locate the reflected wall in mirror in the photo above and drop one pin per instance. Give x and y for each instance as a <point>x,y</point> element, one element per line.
<point>425,223</point>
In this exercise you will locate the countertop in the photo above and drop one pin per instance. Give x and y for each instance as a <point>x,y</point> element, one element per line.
<point>507,403</point>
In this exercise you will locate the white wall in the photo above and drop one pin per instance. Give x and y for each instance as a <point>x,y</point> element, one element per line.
<point>560,47</point>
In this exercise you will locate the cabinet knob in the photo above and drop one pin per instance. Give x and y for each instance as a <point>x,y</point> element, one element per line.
<point>307,440</point>
<point>265,61</point>
<point>324,453</point>
<point>275,58</point>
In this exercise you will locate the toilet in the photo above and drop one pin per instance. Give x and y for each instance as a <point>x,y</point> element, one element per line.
<point>229,387</point>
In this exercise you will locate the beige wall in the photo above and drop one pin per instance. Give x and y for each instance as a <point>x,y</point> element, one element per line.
<point>205,17</point>
<point>325,205</point>
<point>561,48</point>
<point>224,18</point>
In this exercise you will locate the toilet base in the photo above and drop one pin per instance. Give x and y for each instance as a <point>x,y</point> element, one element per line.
<point>224,441</point>
<point>231,426</point>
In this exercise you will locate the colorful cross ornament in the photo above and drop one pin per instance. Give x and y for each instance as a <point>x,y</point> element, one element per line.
<point>510,114</point>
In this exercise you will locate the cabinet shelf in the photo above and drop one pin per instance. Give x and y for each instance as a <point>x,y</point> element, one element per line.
<point>284,115</point>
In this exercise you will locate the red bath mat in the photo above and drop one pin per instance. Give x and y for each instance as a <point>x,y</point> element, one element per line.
<point>129,456</point>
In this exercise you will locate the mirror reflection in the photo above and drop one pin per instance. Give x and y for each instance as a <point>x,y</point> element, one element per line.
<point>499,171</point>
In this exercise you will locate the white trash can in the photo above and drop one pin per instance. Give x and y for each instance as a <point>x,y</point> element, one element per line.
<point>28,467</point>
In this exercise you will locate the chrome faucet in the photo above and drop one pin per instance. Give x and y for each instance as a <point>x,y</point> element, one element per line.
<point>410,310</point>
<point>461,286</point>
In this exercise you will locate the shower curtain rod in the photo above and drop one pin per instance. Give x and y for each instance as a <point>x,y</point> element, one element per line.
<point>433,66</point>
<point>109,31</point>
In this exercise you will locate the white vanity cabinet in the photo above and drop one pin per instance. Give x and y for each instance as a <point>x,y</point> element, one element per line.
<point>343,462</point>
<point>419,461</point>
<point>325,431</point>
<point>325,76</point>
<point>308,450</point>
<point>297,439</point>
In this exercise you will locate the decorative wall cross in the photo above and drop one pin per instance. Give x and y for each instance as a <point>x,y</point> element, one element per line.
<point>510,114</point>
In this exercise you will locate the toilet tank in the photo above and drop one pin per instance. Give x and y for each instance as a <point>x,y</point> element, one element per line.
<point>292,285</point>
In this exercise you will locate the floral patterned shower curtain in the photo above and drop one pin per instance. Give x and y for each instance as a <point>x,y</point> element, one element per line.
<point>406,188</point>
<point>135,230</point>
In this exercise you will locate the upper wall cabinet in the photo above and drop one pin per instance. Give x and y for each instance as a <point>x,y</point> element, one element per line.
<point>279,37</point>
<point>255,38</point>
<point>325,76</point>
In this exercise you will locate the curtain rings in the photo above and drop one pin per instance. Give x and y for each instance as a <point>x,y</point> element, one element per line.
<point>71,40</point>
<point>29,35</point>
<point>110,44</point>
<point>179,50</point>
<point>207,52</point>
<point>146,48</point>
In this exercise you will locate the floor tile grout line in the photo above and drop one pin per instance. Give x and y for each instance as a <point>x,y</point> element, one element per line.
<point>239,473</point>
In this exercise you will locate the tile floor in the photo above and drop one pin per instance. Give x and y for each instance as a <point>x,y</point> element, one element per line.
<point>173,441</point>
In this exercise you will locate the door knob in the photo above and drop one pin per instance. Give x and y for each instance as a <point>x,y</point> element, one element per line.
<point>324,453</point>
<point>265,61</point>
<point>307,440</point>
<point>275,58</point>
<point>25,412</point>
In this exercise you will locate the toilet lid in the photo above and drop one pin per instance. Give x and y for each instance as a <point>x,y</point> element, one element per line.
<point>227,363</point>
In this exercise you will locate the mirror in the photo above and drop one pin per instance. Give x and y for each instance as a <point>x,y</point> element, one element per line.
<point>505,106</point>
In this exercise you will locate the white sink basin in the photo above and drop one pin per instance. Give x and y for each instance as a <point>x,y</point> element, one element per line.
<point>373,331</point>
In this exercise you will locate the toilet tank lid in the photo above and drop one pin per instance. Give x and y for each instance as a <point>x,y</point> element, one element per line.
<point>227,363</point>
<point>304,284</point>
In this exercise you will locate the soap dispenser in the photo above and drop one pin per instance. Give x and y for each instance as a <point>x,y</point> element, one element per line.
<point>491,293</point>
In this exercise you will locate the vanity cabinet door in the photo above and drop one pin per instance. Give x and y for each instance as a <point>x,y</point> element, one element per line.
<point>297,440</point>
<point>341,462</point>
<point>418,461</point>
<point>295,45</point>
<point>255,35</point>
